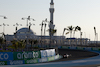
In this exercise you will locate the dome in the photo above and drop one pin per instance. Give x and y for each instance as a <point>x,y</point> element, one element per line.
<point>25,31</point>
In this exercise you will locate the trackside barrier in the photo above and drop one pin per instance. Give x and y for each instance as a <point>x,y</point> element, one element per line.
<point>29,57</point>
<point>30,61</point>
<point>26,55</point>
<point>50,58</point>
<point>15,62</point>
<point>47,53</point>
<point>81,48</point>
<point>42,60</point>
<point>6,56</point>
<point>3,62</point>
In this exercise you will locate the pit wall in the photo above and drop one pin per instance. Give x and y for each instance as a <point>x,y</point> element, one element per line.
<point>31,57</point>
<point>81,48</point>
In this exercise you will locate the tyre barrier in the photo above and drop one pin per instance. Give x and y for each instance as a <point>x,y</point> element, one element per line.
<point>31,57</point>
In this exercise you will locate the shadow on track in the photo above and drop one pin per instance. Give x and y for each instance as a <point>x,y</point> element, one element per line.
<point>75,54</point>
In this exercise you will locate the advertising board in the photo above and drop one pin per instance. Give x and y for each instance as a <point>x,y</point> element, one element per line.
<point>22,55</point>
<point>43,53</point>
<point>3,62</point>
<point>36,54</point>
<point>42,60</point>
<point>56,57</point>
<point>5,56</point>
<point>16,62</point>
<point>47,53</point>
<point>26,55</point>
<point>50,52</point>
<point>31,61</point>
<point>97,49</point>
<point>50,58</point>
<point>88,48</point>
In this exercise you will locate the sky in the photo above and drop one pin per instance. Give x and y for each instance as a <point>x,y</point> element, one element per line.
<point>83,13</point>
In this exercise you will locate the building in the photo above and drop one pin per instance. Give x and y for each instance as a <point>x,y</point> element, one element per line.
<point>21,34</point>
<point>76,41</point>
<point>25,33</point>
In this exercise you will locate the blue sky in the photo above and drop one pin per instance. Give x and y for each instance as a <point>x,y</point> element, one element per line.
<point>84,13</point>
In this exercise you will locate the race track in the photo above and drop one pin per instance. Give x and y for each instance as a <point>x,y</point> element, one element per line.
<point>75,54</point>
<point>78,58</point>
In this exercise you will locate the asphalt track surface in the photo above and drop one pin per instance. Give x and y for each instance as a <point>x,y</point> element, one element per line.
<point>75,54</point>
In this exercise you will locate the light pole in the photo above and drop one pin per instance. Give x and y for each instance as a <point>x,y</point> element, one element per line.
<point>29,31</point>
<point>4,33</point>
<point>30,24</point>
<point>3,23</point>
<point>3,16</point>
<point>4,27</point>
<point>16,28</point>
<point>28,19</point>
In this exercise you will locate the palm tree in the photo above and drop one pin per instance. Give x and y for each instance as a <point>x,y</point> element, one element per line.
<point>75,29</point>
<point>44,32</point>
<point>70,29</point>
<point>41,31</point>
<point>64,31</point>
<point>52,31</point>
<point>63,34</point>
<point>79,29</point>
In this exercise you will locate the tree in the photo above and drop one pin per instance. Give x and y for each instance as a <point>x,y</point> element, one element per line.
<point>63,34</point>
<point>35,41</point>
<point>41,31</point>
<point>52,31</point>
<point>64,31</point>
<point>14,44</point>
<point>44,31</point>
<point>1,42</point>
<point>70,29</point>
<point>79,29</point>
<point>75,29</point>
<point>18,44</point>
<point>21,44</point>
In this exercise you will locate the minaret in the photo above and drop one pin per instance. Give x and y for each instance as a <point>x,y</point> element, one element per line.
<point>51,9</point>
